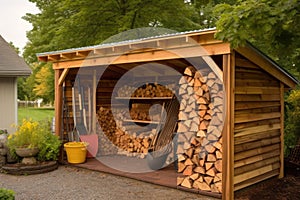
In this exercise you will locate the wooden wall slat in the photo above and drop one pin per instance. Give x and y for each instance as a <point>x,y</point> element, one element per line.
<point>256,129</point>
<point>257,136</point>
<point>240,62</point>
<point>253,166</point>
<point>256,90</point>
<point>249,117</point>
<point>253,159</point>
<point>253,75</point>
<point>255,111</point>
<point>256,82</point>
<point>252,145</point>
<point>255,152</point>
<point>256,179</point>
<point>251,174</point>
<point>256,123</point>
<point>255,105</point>
<point>257,97</point>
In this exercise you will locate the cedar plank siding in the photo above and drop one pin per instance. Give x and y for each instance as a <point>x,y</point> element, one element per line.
<point>257,124</point>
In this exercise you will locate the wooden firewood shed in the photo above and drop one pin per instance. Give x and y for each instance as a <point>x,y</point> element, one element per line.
<point>231,118</point>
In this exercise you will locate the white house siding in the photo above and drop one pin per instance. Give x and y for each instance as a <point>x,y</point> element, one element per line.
<point>8,103</point>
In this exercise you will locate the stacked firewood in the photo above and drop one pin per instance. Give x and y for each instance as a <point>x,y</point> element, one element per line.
<point>117,138</point>
<point>133,140</point>
<point>148,90</point>
<point>140,112</point>
<point>145,112</point>
<point>106,132</point>
<point>133,144</point>
<point>200,117</point>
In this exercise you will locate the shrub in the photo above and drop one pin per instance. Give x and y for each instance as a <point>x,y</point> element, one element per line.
<point>49,148</point>
<point>29,134</point>
<point>292,120</point>
<point>6,194</point>
<point>35,134</point>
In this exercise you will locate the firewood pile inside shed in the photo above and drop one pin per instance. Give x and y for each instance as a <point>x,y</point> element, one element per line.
<point>196,137</point>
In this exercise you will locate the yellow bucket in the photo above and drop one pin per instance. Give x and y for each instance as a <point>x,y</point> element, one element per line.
<point>76,152</point>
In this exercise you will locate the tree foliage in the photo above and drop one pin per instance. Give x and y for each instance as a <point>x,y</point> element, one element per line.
<point>63,24</point>
<point>44,82</point>
<point>66,24</point>
<point>292,118</point>
<point>272,25</point>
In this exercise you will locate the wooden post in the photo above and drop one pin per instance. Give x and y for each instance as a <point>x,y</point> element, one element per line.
<point>58,103</point>
<point>94,92</point>
<point>281,172</point>
<point>228,130</point>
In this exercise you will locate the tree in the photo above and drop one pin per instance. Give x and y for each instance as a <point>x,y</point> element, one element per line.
<point>271,25</point>
<point>66,24</point>
<point>44,83</point>
<point>204,11</point>
<point>292,118</point>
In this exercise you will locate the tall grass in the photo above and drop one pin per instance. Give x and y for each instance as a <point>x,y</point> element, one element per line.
<point>36,114</point>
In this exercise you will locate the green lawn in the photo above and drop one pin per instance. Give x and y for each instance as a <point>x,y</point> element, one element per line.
<point>36,114</point>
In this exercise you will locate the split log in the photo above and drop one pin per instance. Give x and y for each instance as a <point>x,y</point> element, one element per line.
<point>186,183</point>
<point>218,165</point>
<point>194,176</point>
<point>188,170</point>
<point>179,180</point>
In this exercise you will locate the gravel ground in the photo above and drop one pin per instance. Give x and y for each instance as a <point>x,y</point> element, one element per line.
<point>73,183</point>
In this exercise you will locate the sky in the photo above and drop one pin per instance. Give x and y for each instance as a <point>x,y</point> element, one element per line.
<point>12,27</point>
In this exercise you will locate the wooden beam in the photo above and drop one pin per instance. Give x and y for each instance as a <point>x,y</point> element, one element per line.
<point>63,76</point>
<point>281,171</point>
<point>228,130</point>
<point>53,57</point>
<point>148,56</point>
<point>94,92</point>
<point>82,53</point>
<point>58,103</point>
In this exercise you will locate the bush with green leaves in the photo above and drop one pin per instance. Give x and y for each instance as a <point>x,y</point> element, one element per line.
<point>6,194</point>
<point>33,134</point>
<point>292,120</point>
<point>49,148</point>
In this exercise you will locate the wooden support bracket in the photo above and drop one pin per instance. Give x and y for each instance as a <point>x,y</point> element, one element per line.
<point>63,76</point>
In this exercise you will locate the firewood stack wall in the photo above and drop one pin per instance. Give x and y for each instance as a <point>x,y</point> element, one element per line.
<point>119,137</point>
<point>199,148</point>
